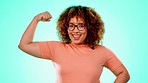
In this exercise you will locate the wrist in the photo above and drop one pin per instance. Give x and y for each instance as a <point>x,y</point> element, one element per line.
<point>36,19</point>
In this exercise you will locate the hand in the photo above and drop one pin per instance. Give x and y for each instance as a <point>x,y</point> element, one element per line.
<point>45,16</point>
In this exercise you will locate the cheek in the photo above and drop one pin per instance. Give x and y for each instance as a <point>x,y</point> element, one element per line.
<point>85,34</point>
<point>69,33</point>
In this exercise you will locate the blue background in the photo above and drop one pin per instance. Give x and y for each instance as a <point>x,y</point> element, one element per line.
<point>126,35</point>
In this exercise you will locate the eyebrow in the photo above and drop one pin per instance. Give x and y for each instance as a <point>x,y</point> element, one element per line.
<point>77,23</point>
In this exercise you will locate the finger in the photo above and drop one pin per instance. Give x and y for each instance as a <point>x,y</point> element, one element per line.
<point>48,16</point>
<point>44,17</point>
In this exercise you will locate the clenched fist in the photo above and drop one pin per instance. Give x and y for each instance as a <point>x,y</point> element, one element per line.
<point>45,16</point>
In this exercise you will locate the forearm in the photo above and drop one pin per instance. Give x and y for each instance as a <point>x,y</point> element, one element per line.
<point>28,35</point>
<point>122,78</point>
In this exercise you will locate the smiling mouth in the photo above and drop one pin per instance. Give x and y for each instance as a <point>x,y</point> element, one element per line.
<point>76,37</point>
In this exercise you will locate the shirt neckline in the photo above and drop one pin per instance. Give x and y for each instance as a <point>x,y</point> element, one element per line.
<point>79,45</point>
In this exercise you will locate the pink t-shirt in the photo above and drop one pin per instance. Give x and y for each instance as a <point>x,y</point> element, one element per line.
<point>78,63</point>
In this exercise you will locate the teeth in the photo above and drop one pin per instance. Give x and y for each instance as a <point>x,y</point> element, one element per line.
<point>76,36</point>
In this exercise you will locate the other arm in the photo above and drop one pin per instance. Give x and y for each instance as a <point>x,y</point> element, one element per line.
<point>121,74</point>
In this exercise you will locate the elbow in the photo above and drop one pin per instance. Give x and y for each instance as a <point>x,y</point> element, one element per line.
<point>127,75</point>
<point>122,75</point>
<point>20,46</point>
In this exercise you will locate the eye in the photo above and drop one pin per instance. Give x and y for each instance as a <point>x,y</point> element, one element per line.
<point>81,25</point>
<point>70,25</point>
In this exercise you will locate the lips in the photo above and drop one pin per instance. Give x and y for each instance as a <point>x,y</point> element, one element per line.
<point>76,36</point>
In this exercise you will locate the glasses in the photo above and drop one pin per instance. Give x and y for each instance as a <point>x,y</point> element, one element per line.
<point>80,26</point>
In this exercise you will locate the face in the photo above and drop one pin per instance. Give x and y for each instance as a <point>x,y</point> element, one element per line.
<point>77,30</point>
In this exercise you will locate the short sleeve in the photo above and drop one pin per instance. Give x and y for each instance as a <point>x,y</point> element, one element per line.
<point>47,49</point>
<point>112,61</point>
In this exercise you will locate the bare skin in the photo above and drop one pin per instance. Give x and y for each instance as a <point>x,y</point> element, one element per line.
<point>76,36</point>
<point>122,75</point>
<point>27,45</point>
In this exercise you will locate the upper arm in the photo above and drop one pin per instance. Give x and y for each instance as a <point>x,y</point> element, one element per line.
<point>40,49</point>
<point>116,66</point>
<point>32,48</point>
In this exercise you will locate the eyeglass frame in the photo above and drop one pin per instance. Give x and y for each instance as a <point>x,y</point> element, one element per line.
<point>78,26</point>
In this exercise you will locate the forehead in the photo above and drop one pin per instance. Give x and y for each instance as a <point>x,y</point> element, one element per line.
<point>76,19</point>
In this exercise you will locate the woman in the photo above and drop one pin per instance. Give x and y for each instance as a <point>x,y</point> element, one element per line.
<point>79,58</point>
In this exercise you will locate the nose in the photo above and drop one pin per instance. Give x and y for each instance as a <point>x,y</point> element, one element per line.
<point>76,29</point>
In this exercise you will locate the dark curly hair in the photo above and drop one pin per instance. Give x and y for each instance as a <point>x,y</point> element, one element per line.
<point>93,22</point>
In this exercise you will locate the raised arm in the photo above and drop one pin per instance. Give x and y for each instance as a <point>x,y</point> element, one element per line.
<point>26,43</point>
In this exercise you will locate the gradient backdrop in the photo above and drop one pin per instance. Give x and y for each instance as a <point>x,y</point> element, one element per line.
<point>126,35</point>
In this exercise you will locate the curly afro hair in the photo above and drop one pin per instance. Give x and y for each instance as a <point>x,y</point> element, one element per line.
<point>93,22</point>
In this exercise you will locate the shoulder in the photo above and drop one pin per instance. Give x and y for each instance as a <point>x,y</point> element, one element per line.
<point>104,50</point>
<point>50,43</point>
<point>56,43</point>
<point>101,47</point>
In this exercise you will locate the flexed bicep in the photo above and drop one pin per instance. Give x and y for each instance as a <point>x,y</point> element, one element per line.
<point>32,49</point>
<point>26,43</point>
